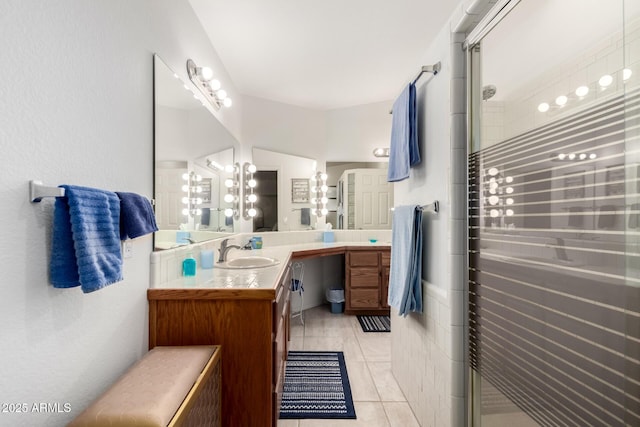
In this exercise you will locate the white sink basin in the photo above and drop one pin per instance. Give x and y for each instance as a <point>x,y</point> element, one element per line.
<point>249,262</point>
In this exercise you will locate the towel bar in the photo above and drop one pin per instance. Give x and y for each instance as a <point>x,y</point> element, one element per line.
<point>37,191</point>
<point>431,207</point>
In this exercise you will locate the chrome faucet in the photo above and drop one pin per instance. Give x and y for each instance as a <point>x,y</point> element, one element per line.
<point>225,247</point>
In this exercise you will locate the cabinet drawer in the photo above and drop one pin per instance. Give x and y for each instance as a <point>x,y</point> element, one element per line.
<point>364,298</point>
<point>279,348</point>
<point>366,277</point>
<point>364,258</point>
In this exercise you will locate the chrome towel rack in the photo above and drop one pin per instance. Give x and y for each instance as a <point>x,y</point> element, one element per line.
<point>431,207</point>
<point>433,69</point>
<point>37,191</point>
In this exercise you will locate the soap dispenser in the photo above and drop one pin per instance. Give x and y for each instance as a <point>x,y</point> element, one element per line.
<point>189,266</point>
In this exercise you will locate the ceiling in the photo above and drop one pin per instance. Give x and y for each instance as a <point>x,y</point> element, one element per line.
<point>322,55</point>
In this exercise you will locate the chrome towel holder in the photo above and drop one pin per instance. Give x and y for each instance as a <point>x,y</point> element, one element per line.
<point>37,191</point>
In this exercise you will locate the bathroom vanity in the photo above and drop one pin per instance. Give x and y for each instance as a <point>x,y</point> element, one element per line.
<point>247,313</point>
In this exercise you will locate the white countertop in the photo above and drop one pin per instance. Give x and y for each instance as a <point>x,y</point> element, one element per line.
<point>255,278</point>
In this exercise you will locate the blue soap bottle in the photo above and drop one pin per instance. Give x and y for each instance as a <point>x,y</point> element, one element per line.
<point>189,266</point>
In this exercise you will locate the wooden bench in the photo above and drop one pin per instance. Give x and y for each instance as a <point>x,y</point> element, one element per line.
<point>169,386</point>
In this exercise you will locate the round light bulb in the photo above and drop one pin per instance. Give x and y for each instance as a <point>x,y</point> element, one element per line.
<point>215,84</point>
<point>493,171</point>
<point>323,177</point>
<point>509,190</point>
<point>314,201</point>
<point>252,212</point>
<point>494,213</point>
<point>626,74</point>
<point>605,81</point>
<point>205,72</point>
<point>324,211</point>
<point>252,198</point>
<point>493,200</point>
<point>185,188</point>
<point>198,178</point>
<point>228,183</point>
<point>582,156</point>
<point>228,198</point>
<point>324,188</point>
<point>324,200</point>
<point>228,212</point>
<point>492,191</point>
<point>582,91</point>
<point>561,156</point>
<point>227,102</point>
<point>198,211</point>
<point>314,189</point>
<point>185,211</point>
<point>185,176</point>
<point>198,189</point>
<point>509,212</point>
<point>229,168</point>
<point>185,200</point>
<point>252,168</point>
<point>252,183</point>
<point>221,94</point>
<point>572,156</point>
<point>199,201</point>
<point>509,179</point>
<point>593,156</point>
<point>543,107</point>
<point>561,100</point>
<point>509,201</point>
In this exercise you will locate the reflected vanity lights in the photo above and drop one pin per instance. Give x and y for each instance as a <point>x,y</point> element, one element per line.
<point>381,152</point>
<point>233,191</point>
<point>250,198</point>
<point>319,190</point>
<point>211,88</point>
<point>499,197</point>
<point>603,83</point>
<point>192,189</point>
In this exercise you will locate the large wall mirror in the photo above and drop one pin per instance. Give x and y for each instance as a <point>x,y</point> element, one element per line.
<point>192,149</point>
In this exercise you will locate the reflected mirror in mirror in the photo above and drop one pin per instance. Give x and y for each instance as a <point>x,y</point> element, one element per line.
<point>278,206</point>
<point>360,198</point>
<point>193,153</point>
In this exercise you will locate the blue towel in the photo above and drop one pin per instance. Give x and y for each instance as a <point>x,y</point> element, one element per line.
<point>136,216</point>
<point>86,239</point>
<point>405,277</point>
<point>404,151</point>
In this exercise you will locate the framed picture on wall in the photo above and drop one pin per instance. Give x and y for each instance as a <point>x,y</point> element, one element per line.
<point>299,190</point>
<point>574,185</point>
<point>206,190</point>
<point>614,180</point>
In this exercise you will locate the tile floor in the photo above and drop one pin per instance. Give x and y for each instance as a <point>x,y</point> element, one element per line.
<point>377,397</point>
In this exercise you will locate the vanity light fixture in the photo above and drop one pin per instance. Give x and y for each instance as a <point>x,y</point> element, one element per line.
<point>319,190</point>
<point>381,152</point>
<point>249,198</point>
<point>233,191</point>
<point>202,78</point>
<point>192,190</point>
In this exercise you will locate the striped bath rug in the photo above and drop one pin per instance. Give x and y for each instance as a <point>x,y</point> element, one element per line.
<point>316,385</point>
<point>375,323</point>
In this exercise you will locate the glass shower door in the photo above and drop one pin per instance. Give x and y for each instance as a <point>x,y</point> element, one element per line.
<point>553,216</point>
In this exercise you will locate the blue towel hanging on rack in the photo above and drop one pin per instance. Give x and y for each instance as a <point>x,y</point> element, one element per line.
<point>404,151</point>
<point>86,239</point>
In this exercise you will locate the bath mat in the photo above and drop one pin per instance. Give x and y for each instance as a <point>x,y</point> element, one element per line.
<point>375,323</point>
<point>316,385</point>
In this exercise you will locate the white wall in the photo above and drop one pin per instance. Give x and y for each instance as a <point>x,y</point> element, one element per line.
<point>76,107</point>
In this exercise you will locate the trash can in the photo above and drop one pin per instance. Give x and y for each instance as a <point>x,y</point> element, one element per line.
<point>336,298</point>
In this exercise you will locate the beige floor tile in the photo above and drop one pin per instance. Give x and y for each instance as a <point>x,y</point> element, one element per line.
<point>348,346</point>
<point>288,423</point>
<point>375,348</point>
<point>370,414</point>
<point>363,389</point>
<point>386,384</point>
<point>400,414</point>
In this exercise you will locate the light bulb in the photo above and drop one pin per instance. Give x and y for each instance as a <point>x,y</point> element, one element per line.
<point>228,212</point>
<point>605,81</point>
<point>252,198</point>
<point>493,171</point>
<point>509,201</point>
<point>324,188</point>
<point>582,156</point>
<point>228,198</point>
<point>228,183</point>
<point>494,213</point>
<point>561,100</point>
<point>185,200</point>
<point>582,91</point>
<point>252,183</point>
<point>324,211</point>
<point>324,200</point>
<point>509,212</point>
<point>593,156</point>
<point>215,84</point>
<point>492,191</point>
<point>229,168</point>
<point>572,156</point>
<point>199,201</point>
<point>185,211</point>
<point>198,178</point>
<point>509,179</point>
<point>323,177</point>
<point>314,201</point>
<point>221,94</point>
<point>509,190</point>
<point>492,180</point>
<point>252,168</point>
<point>227,102</point>
<point>626,74</point>
<point>198,189</point>
<point>185,188</point>
<point>185,176</point>
<point>251,212</point>
<point>493,200</point>
<point>198,211</point>
<point>561,156</point>
<point>314,189</point>
<point>205,72</point>
<point>543,107</point>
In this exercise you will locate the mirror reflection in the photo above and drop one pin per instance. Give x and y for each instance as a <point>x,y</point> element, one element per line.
<point>193,156</point>
<point>360,198</point>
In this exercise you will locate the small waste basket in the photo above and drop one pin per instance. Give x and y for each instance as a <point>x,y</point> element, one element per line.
<point>336,298</point>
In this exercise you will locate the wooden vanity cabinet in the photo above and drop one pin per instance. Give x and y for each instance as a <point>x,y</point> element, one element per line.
<point>367,281</point>
<point>251,326</point>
